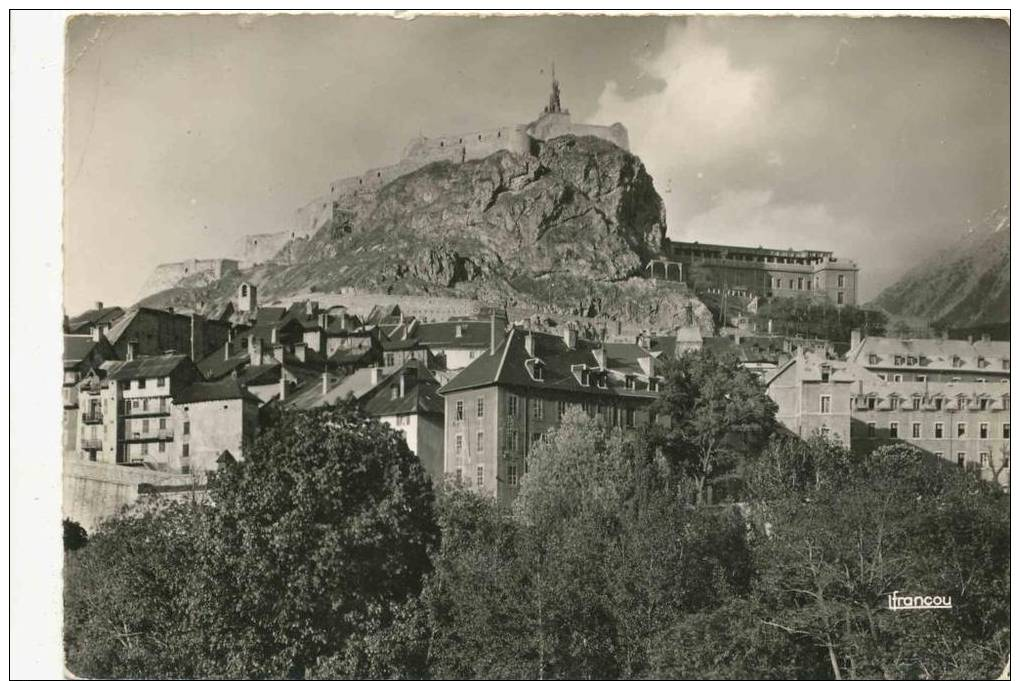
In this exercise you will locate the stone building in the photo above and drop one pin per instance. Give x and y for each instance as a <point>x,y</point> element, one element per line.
<point>920,360</point>
<point>964,422</point>
<point>82,353</point>
<point>765,272</point>
<point>146,331</point>
<point>500,405</point>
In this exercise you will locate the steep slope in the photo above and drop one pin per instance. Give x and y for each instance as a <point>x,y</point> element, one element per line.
<point>564,230</point>
<point>966,284</point>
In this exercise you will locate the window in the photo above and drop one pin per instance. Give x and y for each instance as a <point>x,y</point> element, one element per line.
<point>800,283</point>
<point>1005,431</point>
<point>480,447</point>
<point>984,459</point>
<point>561,409</point>
<point>459,412</point>
<point>629,382</point>
<point>459,473</point>
<point>185,450</point>
<point>894,429</point>
<point>938,431</point>
<point>983,431</point>
<point>825,374</point>
<point>538,409</point>
<point>938,403</point>
<point>394,391</point>
<point>141,382</point>
<point>826,404</point>
<point>961,430</point>
<point>894,402</point>
<point>511,440</point>
<point>539,372</point>
<point>824,432</point>
<point>897,378</point>
<point>957,363</point>
<point>162,404</point>
<point>458,447</point>
<point>535,439</point>
<point>915,430</point>
<point>897,360</point>
<point>481,407</point>
<point>187,427</point>
<point>1005,459</point>
<point>629,416</point>
<point>873,359</point>
<point>511,474</point>
<point>841,281</point>
<point>1005,365</point>
<point>145,448</point>
<point>840,298</point>
<point>160,382</point>
<point>389,359</point>
<point>480,475</point>
<point>871,429</point>
<point>921,378</point>
<point>881,377</point>
<point>145,425</point>
<point>871,403</point>
<point>961,459</point>
<point>983,404</point>
<point>511,405</point>
<point>916,402</point>
<point>162,446</point>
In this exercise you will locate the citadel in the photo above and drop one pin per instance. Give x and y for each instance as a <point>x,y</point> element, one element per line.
<point>255,249</point>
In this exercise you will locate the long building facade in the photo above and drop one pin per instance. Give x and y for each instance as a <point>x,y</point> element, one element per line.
<point>764,272</point>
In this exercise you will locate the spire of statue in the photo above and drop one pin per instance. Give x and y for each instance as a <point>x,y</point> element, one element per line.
<point>554,96</point>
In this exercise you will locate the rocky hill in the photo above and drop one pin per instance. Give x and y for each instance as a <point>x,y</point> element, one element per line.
<point>964,285</point>
<point>564,231</point>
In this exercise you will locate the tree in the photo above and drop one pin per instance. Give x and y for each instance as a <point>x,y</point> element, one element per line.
<point>128,595</point>
<point>718,413</point>
<point>75,536</point>
<point>319,535</point>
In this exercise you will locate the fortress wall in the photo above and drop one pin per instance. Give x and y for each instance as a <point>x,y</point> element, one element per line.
<point>170,274</point>
<point>469,145</point>
<point>552,125</point>
<point>309,218</point>
<point>259,248</point>
<point>93,492</point>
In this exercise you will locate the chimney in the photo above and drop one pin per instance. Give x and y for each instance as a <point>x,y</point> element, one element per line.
<point>492,333</point>
<point>255,350</point>
<point>458,331</point>
<point>311,308</point>
<point>529,344</point>
<point>300,349</point>
<point>647,364</point>
<point>274,336</point>
<point>226,350</point>
<point>97,333</point>
<point>403,384</point>
<point>132,350</point>
<point>325,382</point>
<point>855,338</point>
<point>600,356</point>
<point>770,327</point>
<point>99,305</point>
<point>570,336</point>
<point>278,353</point>
<point>736,338</point>
<point>323,320</point>
<point>343,320</point>
<point>377,373</point>
<point>197,336</point>
<point>283,384</point>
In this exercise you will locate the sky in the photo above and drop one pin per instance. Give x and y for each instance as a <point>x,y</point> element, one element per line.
<point>879,139</point>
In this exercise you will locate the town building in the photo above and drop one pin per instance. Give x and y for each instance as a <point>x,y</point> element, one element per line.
<point>99,317</point>
<point>764,272</point>
<point>403,396</point>
<point>500,406</point>
<point>145,331</point>
<point>82,353</point>
<point>156,411</point>
<point>965,422</point>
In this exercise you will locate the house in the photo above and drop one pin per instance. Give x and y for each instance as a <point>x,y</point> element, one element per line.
<point>99,317</point>
<point>454,343</point>
<point>500,406</point>
<point>403,396</point>
<point>146,331</point>
<point>212,420</point>
<point>82,353</point>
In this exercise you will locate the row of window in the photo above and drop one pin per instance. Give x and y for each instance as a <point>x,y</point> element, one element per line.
<point>538,409</point>
<point>923,378</point>
<point>938,430</point>
<point>916,403</point>
<point>921,360</point>
<point>803,283</point>
<point>144,405</point>
<point>141,383</point>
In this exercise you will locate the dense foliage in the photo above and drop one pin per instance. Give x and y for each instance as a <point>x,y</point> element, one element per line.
<point>816,318</point>
<point>324,555</point>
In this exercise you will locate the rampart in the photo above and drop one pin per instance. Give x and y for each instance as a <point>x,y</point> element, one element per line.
<point>170,274</point>
<point>93,492</point>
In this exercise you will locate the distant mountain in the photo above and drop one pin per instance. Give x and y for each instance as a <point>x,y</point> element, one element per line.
<point>964,285</point>
<point>565,230</point>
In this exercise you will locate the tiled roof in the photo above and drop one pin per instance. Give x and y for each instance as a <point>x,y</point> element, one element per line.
<point>419,393</point>
<point>226,389</point>
<point>356,385</point>
<point>146,367</point>
<point>509,366</point>
<point>933,354</point>
<point>103,315</point>
<point>77,348</point>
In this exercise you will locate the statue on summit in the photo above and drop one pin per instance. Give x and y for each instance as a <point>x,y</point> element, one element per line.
<point>554,97</point>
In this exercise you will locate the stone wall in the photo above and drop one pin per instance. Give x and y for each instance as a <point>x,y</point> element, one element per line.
<point>261,248</point>
<point>551,125</point>
<point>94,492</point>
<point>360,302</point>
<point>171,274</point>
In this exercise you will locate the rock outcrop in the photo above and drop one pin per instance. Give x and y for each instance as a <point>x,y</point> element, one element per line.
<point>559,230</point>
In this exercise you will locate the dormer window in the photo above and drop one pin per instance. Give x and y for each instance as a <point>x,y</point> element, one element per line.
<point>580,372</point>
<point>653,385</point>
<point>957,362</point>
<point>826,372</point>
<point>629,382</point>
<point>898,360</point>
<point>982,363</point>
<point>872,359</point>
<point>536,369</point>
<point>601,380</point>
<point>911,361</point>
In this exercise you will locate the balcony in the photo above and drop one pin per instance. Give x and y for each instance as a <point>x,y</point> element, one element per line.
<point>92,417</point>
<point>163,434</point>
<point>91,444</point>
